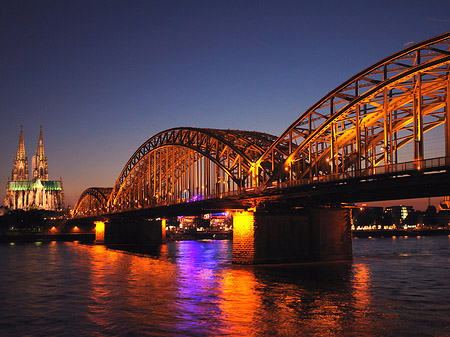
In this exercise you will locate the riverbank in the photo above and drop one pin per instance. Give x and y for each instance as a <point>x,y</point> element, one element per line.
<point>399,232</point>
<point>90,237</point>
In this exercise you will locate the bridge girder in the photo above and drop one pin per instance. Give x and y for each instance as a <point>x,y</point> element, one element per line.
<point>366,121</point>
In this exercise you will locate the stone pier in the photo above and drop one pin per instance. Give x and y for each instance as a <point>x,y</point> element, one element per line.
<point>314,234</point>
<point>133,232</point>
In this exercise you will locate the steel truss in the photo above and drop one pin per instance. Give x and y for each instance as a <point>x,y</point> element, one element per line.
<point>92,201</point>
<point>187,164</point>
<point>376,119</point>
<point>366,121</point>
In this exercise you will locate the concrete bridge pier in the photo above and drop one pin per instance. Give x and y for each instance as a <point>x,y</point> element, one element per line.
<point>314,234</point>
<point>131,232</point>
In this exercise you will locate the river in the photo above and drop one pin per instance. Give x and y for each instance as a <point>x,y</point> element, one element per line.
<point>393,287</point>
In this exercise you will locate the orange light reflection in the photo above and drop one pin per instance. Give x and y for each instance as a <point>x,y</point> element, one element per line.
<point>240,301</point>
<point>361,285</point>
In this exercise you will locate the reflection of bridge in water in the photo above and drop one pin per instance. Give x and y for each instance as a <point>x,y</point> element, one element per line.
<point>383,134</point>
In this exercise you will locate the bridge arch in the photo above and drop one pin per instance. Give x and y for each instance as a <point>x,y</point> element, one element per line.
<point>183,164</point>
<point>92,200</point>
<point>367,121</point>
<point>378,118</point>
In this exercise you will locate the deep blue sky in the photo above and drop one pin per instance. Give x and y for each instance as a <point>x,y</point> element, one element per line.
<point>102,77</point>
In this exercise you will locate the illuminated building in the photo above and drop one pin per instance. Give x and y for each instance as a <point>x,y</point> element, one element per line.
<point>399,213</point>
<point>37,192</point>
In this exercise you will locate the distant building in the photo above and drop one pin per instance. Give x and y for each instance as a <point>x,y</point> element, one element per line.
<point>444,205</point>
<point>25,191</point>
<point>399,213</point>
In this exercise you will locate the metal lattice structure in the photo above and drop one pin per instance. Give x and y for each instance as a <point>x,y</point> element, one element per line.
<point>379,118</point>
<point>188,164</point>
<point>92,201</point>
<point>366,121</point>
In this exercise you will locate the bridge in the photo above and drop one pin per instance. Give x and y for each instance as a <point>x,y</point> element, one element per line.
<point>382,134</point>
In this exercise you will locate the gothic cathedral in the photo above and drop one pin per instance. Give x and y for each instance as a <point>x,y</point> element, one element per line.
<point>26,191</point>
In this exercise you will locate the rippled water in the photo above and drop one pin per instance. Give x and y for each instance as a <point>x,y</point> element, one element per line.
<point>393,287</point>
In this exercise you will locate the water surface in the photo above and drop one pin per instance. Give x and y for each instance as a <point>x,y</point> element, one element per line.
<point>393,287</point>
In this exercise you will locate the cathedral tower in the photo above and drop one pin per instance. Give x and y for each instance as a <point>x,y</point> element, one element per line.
<point>20,169</point>
<point>38,192</point>
<point>39,162</point>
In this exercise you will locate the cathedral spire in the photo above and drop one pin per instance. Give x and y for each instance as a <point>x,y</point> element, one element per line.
<point>40,150</point>
<point>21,148</point>
<point>20,169</point>
<point>40,167</point>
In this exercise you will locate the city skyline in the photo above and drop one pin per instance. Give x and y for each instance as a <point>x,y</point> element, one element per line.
<point>102,78</point>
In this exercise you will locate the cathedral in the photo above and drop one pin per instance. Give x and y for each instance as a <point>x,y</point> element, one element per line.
<point>27,191</point>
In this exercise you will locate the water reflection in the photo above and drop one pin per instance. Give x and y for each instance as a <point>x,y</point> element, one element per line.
<point>239,302</point>
<point>311,294</point>
<point>361,305</point>
<point>144,250</point>
<point>192,289</point>
<point>124,289</point>
<point>361,286</point>
<point>242,300</point>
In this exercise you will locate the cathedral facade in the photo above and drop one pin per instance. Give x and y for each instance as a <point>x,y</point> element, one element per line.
<point>26,191</point>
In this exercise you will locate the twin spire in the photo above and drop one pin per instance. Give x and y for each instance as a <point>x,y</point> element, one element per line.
<point>21,149</point>
<point>40,150</point>
<point>39,161</point>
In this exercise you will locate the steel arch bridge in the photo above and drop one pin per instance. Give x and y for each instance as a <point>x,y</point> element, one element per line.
<point>92,201</point>
<point>188,164</point>
<point>369,120</point>
<point>378,121</point>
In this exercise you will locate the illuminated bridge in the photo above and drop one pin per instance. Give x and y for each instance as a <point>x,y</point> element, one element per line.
<point>382,134</point>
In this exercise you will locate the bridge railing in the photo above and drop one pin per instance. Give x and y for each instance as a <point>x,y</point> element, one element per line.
<point>426,165</point>
<point>399,169</point>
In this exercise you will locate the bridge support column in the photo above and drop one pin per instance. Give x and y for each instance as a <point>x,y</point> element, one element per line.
<point>99,232</point>
<point>138,232</point>
<point>315,234</point>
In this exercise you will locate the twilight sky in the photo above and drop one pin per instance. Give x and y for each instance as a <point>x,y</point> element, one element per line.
<point>103,76</point>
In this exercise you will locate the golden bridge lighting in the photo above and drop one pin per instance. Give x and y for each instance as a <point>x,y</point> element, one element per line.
<point>243,231</point>
<point>369,128</point>
<point>99,231</point>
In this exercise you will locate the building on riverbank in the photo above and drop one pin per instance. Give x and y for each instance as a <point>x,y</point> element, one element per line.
<point>26,191</point>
